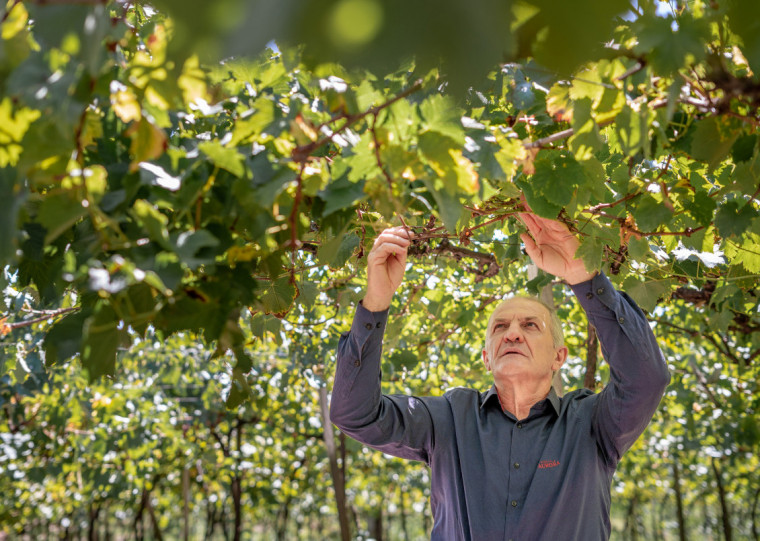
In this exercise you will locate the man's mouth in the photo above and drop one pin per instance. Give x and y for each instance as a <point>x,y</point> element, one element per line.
<point>512,351</point>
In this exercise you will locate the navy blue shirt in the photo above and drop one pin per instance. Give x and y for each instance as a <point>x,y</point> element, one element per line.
<point>495,477</point>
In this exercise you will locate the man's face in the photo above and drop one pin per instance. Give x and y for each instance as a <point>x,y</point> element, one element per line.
<point>519,345</point>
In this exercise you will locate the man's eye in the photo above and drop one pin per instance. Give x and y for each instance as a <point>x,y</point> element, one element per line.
<point>530,325</point>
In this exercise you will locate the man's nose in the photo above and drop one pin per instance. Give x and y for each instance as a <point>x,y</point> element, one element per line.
<point>514,333</point>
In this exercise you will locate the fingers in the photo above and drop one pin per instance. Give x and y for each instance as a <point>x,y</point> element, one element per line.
<point>393,241</point>
<point>531,248</point>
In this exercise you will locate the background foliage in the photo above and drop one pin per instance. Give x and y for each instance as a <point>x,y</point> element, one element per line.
<point>183,235</point>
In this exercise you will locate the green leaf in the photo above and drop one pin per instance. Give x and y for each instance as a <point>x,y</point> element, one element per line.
<point>747,253</point>
<point>732,220</point>
<point>307,293</point>
<point>13,196</point>
<point>747,175</point>
<point>650,214</point>
<point>250,126</point>
<point>141,306</point>
<point>556,179</point>
<point>153,221</point>
<point>337,251</point>
<point>59,211</point>
<point>586,140</point>
<point>440,114</point>
<point>263,324</point>
<point>367,96</point>
<point>188,244</point>
<point>744,19</point>
<point>712,141</point>
<point>64,338</point>
<point>341,194</point>
<point>537,201</point>
<point>101,337</point>
<point>631,129</point>
<point>226,158</point>
<point>647,293</point>
<point>449,208</point>
<point>590,251</point>
<point>748,431</point>
<point>240,390</point>
<point>186,313</point>
<point>669,49</point>
<point>404,359</point>
<point>638,249</point>
<point>362,159</point>
<point>278,296</point>
<point>701,207</point>
<point>743,148</point>
<point>560,37</point>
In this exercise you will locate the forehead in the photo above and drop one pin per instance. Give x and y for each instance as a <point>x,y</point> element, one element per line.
<point>521,308</point>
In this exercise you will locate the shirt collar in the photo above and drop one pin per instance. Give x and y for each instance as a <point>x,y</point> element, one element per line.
<point>492,394</point>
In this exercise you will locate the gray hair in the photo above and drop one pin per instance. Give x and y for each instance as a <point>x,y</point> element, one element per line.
<point>555,325</point>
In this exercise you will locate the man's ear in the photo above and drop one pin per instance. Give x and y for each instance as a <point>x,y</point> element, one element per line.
<point>485,360</point>
<point>560,358</point>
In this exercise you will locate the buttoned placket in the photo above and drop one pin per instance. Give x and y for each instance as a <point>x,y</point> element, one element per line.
<point>514,499</point>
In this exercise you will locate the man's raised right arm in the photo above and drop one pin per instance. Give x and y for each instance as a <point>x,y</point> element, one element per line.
<point>397,425</point>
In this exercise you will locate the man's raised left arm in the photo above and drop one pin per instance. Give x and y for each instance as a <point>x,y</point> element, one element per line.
<point>638,372</point>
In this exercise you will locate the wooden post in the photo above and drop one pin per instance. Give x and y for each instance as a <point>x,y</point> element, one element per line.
<point>339,482</point>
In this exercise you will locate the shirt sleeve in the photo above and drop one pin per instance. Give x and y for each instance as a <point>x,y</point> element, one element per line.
<point>638,372</point>
<point>397,425</point>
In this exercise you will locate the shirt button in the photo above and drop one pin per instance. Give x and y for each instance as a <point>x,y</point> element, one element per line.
<point>519,425</point>
<point>368,326</point>
<point>379,324</point>
<point>514,503</point>
<point>600,291</point>
<point>621,319</point>
<point>357,362</point>
<point>517,465</point>
<point>589,295</point>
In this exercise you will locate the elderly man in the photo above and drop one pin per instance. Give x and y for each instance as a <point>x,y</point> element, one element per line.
<point>516,462</point>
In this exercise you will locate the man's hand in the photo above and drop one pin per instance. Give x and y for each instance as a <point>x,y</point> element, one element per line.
<point>552,247</point>
<point>386,263</point>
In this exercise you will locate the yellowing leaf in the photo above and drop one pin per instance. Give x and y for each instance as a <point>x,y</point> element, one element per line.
<point>4,327</point>
<point>13,125</point>
<point>244,253</point>
<point>192,82</point>
<point>528,161</point>
<point>467,177</point>
<point>558,103</point>
<point>125,105</point>
<point>14,21</point>
<point>92,128</point>
<point>303,131</point>
<point>511,155</point>
<point>148,142</point>
<point>96,181</point>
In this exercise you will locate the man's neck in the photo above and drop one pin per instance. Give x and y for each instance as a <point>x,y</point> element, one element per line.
<point>518,400</point>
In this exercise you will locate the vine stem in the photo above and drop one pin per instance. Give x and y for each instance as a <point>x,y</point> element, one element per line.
<point>301,153</point>
<point>50,315</point>
<point>379,161</point>
<point>295,244</point>
<point>8,11</point>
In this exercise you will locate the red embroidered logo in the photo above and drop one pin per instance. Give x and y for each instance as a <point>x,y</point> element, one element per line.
<point>548,464</point>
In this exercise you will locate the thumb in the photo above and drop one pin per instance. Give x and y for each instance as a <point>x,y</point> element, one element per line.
<point>534,252</point>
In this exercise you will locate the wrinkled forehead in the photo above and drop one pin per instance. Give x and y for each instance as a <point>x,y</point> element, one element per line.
<point>520,307</point>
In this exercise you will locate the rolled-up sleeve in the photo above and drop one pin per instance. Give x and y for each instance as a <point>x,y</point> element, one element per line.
<point>638,372</point>
<point>398,425</point>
